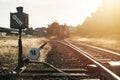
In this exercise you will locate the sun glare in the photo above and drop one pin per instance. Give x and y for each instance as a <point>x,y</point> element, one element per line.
<point>80,11</point>
<point>43,12</point>
<point>71,12</point>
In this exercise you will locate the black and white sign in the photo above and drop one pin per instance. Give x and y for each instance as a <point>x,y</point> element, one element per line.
<point>33,53</point>
<point>18,20</point>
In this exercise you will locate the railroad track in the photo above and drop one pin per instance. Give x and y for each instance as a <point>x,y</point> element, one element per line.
<point>97,56</point>
<point>104,56</point>
<point>68,61</point>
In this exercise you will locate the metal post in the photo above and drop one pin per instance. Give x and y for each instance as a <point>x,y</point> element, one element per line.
<point>20,50</point>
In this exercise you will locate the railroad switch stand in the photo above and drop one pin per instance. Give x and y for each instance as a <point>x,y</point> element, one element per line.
<point>19,21</point>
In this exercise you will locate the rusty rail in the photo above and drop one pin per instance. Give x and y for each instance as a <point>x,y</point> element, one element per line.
<point>104,70</point>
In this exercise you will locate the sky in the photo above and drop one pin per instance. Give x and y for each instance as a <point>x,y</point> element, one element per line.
<point>44,12</point>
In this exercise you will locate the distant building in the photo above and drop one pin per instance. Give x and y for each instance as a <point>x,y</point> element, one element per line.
<point>7,31</point>
<point>29,31</point>
<point>4,33</point>
<point>0,33</point>
<point>41,31</point>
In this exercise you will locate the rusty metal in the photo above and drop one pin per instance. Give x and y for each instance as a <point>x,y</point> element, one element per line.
<point>104,70</point>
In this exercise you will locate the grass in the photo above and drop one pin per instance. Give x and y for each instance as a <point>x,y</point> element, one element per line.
<point>9,50</point>
<point>112,44</point>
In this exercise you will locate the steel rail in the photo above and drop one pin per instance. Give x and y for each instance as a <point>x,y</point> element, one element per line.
<point>55,71</point>
<point>46,75</point>
<point>108,72</point>
<point>53,67</point>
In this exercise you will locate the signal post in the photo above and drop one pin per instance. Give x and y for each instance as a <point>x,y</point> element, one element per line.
<point>19,21</point>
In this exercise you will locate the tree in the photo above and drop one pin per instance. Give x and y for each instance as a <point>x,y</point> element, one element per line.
<point>104,22</point>
<point>29,31</point>
<point>53,29</point>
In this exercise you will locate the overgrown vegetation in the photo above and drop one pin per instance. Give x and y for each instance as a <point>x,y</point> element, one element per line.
<point>105,22</point>
<point>110,44</point>
<point>9,50</point>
